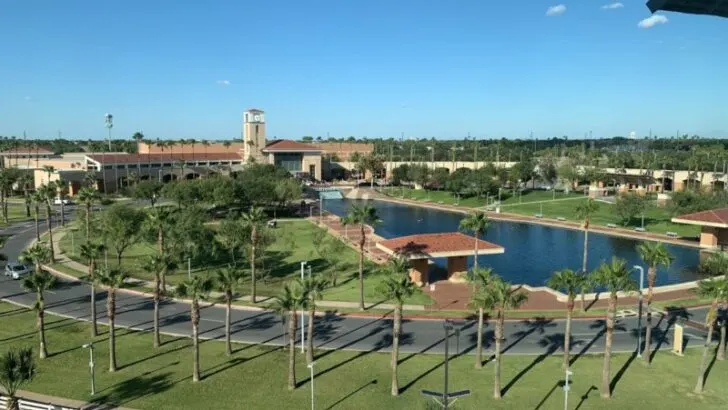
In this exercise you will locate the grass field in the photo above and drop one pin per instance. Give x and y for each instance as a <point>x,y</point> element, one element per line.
<point>507,197</point>
<point>292,245</point>
<point>255,376</point>
<point>16,213</point>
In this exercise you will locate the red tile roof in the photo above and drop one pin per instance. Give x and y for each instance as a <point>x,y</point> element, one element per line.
<point>714,217</point>
<point>27,151</point>
<point>288,145</point>
<point>145,158</point>
<point>436,245</point>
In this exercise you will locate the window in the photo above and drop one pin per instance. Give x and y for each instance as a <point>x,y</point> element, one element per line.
<point>147,165</point>
<point>235,162</point>
<point>108,167</point>
<point>214,163</point>
<point>289,161</point>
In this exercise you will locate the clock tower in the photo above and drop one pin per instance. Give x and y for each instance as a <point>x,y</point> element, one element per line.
<point>254,135</point>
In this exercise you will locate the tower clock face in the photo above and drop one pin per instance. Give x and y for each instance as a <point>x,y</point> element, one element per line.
<point>256,118</point>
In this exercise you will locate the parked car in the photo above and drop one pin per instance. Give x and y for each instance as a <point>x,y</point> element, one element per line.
<point>16,270</point>
<point>58,201</point>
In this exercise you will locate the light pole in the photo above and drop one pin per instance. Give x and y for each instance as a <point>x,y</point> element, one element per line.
<point>90,347</point>
<point>567,388</point>
<point>109,122</point>
<point>310,367</point>
<point>303,319</point>
<point>639,311</point>
<point>432,156</point>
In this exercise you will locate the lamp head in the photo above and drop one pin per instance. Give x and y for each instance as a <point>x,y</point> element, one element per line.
<point>88,346</point>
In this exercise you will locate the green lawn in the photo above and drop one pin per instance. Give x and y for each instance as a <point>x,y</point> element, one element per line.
<point>507,196</point>
<point>657,219</point>
<point>16,213</point>
<point>255,376</point>
<point>292,245</point>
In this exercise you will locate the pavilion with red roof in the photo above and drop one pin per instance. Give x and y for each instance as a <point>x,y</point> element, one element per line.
<point>713,226</point>
<point>454,246</point>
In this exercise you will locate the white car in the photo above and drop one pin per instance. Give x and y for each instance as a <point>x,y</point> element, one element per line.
<point>58,201</point>
<point>16,270</point>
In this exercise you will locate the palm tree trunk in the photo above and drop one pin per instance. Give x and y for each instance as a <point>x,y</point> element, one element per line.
<point>292,350</point>
<point>13,403</point>
<point>479,346</point>
<point>156,338</point>
<point>721,344</point>
<point>111,313</point>
<point>567,332</point>
<point>362,242</point>
<point>651,274</point>
<point>395,347</point>
<point>50,233</point>
<point>37,223</point>
<point>2,204</point>
<point>41,333</point>
<point>88,222</point>
<point>195,341</point>
<point>252,272</point>
<point>27,202</point>
<point>704,361</point>
<point>63,213</point>
<point>498,338</point>
<point>228,308</point>
<point>606,390</point>
<point>91,274</point>
<point>309,333</point>
<point>475,256</point>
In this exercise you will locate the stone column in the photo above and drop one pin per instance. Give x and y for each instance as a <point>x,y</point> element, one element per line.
<point>419,271</point>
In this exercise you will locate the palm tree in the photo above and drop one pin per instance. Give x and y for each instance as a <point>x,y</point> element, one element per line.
<point>398,287</point>
<point>158,265</point>
<point>25,183</point>
<point>286,304</point>
<point>196,289</point>
<point>501,297</point>
<point>716,264</point>
<point>228,281</point>
<point>313,289</point>
<point>37,198</point>
<point>571,283</point>
<point>111,279</point>
<point>584,211</point>
<point>39,281</point>
<point>17,368</point>
<point>49,170</point>
<point>61,192</point>
<point>717,290</point>
<point>158,220</point>
<point>362,216</point>
<point>47,193</point>
<point>478,224</point>
<point>615,277</point>
<point>88,196</point>
<point>92,252</point>
<point>253,220</point>
<point>480,278</point>
<point>654,254</point>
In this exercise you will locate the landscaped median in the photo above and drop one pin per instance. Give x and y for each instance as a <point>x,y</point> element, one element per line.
<point>254,377</point>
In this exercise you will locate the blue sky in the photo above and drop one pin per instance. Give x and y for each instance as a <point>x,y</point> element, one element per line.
<point>183,68</point>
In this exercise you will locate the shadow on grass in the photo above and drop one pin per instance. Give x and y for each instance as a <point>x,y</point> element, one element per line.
<point>58,324</point>
<point>585,397</point>
<point>558,384</point>
<point>352,393</point>
<point>133,389</point>
<point>618,376</point>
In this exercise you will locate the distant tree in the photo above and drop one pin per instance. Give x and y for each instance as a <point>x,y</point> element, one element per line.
<point>629,206</point>
<point>313,290</point>
<point>480,301</point>
<point>227,281</point>
<point>715,289</point>
<point>584,211</point>
<point>158,264</point>
<point>286,304</point>
<point>253,220</point>
<point>478,224</point>
<point>654,255</point>
<point>91,252</point>
<point>121,225</point>
<point>88,197</point>
<point>571,283</point>
<point>147,190</point>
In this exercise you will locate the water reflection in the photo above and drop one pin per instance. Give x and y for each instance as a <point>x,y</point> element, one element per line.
<point>533,252</point>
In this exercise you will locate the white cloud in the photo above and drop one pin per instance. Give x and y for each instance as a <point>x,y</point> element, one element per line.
<point>223,82</point>
<point>612,6</point>
<point>652,21</point>
<point>556,10</point>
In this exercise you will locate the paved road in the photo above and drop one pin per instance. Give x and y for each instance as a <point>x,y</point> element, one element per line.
<point>331,332</point>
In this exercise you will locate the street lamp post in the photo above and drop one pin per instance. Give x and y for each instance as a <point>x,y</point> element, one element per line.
<point>109,122</point>
<point>90,347</point>
<point>639,310</point>
<point>310,367</point>
<point>566,389</point>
